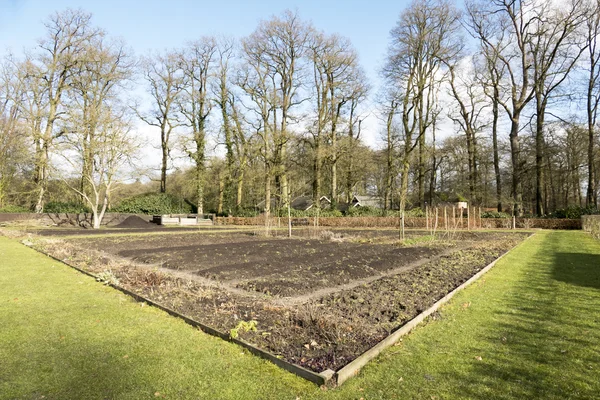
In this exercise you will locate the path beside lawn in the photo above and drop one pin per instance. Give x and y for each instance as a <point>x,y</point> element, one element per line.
<point>530,328</point>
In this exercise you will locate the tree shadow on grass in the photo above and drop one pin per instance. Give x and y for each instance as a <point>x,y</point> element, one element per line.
<point>579,269</point>
<point>545,341</point>
<point>74,370</point>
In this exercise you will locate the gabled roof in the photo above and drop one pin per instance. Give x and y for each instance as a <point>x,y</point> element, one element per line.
<point>261,204</point>
<point>367,201</point>
<point>305,203</point>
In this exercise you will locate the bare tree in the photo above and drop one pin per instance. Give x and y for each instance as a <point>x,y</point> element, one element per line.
<point>46,76</point>
<point>279,44</point>
<point>13,146</point>
<point>390,109</point>
<point>198,68</point>
<point>512,21</point>
<point>592,65</point>
<point>255,81</point>
<point>165,82</point>
<point>102,157</point>
<point>491,77</point>
<point>554,50</point>
<point>425,35</point>
<point>99,83</point>
<point>470,103</point>
<point>223,98</point>
<point>348,87</point>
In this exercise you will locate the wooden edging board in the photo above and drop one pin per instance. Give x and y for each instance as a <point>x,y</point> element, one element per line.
<point>354,367</point>
<point>318,378</point>
<point>340,376</point>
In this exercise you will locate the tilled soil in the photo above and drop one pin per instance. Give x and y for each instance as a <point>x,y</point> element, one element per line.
<point>368,290</point>
<point>278,267</point>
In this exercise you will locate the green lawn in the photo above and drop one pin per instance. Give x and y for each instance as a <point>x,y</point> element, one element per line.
<point>529,329</point>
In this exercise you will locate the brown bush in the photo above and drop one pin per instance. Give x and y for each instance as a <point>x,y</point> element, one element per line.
<point>410,222</point>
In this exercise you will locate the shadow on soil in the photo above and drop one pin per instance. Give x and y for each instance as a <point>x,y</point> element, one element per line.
<point>545,341</point>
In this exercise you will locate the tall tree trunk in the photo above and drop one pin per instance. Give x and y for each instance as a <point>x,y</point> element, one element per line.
<point>389,173</point>
<point>163,170</point>
<point>200,186</point>
<point>495,149</point>
<point>421,169</point>
<point>539,155</point>
<point>591,198</point>
<point>240,190</point>
<point>267,198</point>
<point>41,177</point>
<point>515,151</point>
<point>221,193</point>
<point>470,165</point>
<point>317,174</point>
<point>432,181</point>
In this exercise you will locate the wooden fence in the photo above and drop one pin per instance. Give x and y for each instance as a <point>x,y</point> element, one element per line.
<point>443,222</point>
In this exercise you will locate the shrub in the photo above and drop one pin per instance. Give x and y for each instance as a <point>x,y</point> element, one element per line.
<point>416,212</point>
<point>246,212</point>
<point>55,207</point>
<point>494,214</point>
<point>364,212</point>
<point>154,203</point>
<point>14,209</point>
<point>312,212</point>
<point>573,212</point>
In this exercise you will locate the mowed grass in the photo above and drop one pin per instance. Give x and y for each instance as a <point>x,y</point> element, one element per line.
<point>529,329</point>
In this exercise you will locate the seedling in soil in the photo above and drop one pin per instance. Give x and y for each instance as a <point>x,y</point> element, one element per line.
<point>244,326</point>
<point>108,278</point>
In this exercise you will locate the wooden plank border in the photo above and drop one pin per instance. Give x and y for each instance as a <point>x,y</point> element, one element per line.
<point>338,377</point>
<point>318,378</point>
<point>353,368</point>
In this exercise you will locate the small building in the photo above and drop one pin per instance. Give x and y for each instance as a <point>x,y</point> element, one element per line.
<point>261,205</point>
<point>305,203</point>
<point>461,205</point>
<point>367,201</point>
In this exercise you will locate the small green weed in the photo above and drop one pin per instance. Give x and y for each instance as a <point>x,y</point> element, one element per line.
<point>244,326</point>
<point>107,277</point>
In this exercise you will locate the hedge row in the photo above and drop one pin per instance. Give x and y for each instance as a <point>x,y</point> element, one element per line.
<point>591,224</point>
<point>67,219</point>
<point>409,222</point>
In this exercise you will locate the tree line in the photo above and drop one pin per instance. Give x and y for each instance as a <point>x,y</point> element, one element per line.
<point>494,103</point>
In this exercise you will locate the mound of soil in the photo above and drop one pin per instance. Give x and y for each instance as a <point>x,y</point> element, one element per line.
<point>135,222</point>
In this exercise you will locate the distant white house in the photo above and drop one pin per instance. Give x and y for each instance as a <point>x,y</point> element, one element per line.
<point>305,203</point>
<point>366,201</point>
<point>261,205</point>
<point>302,203</point>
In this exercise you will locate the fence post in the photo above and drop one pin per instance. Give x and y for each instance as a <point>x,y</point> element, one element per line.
<point>468,218</point>
<point>445,219</point>
<point>453,217</point>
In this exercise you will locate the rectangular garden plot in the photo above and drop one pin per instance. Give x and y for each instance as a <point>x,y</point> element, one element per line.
<point>315,303</point>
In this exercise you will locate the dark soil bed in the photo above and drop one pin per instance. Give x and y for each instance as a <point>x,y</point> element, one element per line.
<point>316,303</point>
